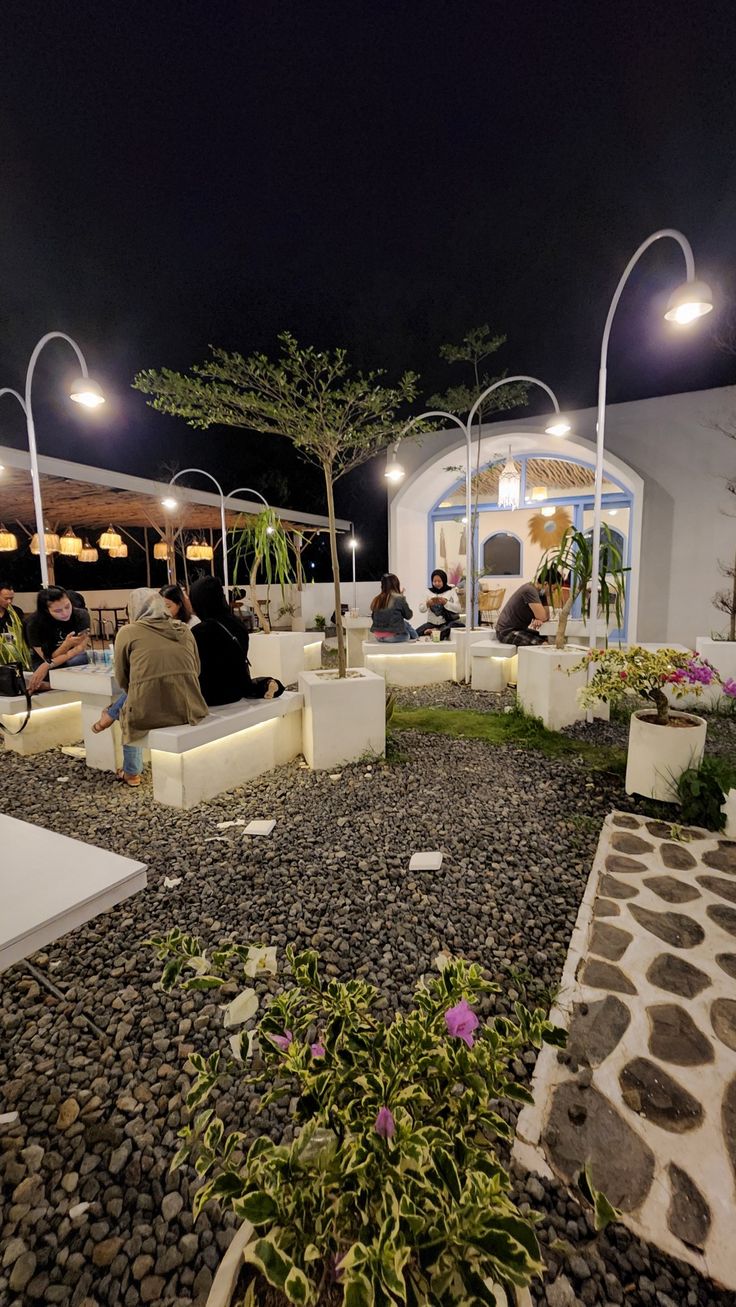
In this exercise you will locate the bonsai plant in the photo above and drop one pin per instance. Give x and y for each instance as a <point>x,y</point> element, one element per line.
<point>335,419</point>
<point>657,756</point>
<point>262,545</point>
<point>391,1189</point>
<point>566,572</point>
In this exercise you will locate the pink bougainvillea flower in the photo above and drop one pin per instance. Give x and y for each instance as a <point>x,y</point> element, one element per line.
<point>317,1050</point>
<point>461,1021</point>
<point>385,1124</point>
<point>729,687</point>
<point>623,675</point>
<point>284,1041</point>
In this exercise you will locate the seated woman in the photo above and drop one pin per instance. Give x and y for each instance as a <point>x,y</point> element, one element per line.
<point>522,615</point>
<point>179,605</point>
<point>390,613</point>
<point>442,607</point>
<point>157,665</point>
<point>57,633</point>
<point>222,642</point>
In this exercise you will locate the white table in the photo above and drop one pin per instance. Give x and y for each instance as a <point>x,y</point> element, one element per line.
<point>97,688</point>
<point>50,884</point>
<point>356,629</point>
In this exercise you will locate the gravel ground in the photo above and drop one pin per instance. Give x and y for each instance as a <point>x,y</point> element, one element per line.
<point>90,1213</point>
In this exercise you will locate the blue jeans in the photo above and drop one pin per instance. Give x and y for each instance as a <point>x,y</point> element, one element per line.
<point>408,634</point>
<point>132,760</point>
<point>116,708</point>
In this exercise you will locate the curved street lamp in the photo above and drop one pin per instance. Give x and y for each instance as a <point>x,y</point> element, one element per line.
<point>84,390</point>
<point>691,300</point>
<point>172,503</point>
<point>557,427</point>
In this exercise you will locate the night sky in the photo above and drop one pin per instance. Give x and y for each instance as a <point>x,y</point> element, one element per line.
<point>380,176</point>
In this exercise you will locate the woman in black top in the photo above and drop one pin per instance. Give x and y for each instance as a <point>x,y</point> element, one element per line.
<point>222,642</point>
<point>58,634</point>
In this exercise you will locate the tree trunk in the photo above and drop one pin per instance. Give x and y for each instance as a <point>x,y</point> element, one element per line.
<point>662,704</point>
<point>148,557</point>
<point>342,662</point>
<point>560,638</point>
<point>262,617</point>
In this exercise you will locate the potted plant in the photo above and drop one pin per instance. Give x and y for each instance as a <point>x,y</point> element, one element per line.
<point>387,1185</point>
<point>261,548</point>
<point>336,419</point>
<point>548,680</point>
<point>662,743</point>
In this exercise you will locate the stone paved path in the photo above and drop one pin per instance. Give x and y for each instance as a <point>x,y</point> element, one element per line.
<point>645,1092</point>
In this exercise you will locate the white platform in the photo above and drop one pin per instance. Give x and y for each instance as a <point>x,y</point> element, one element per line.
<point>50,884</point>
<point>234,744</point>
<point>412,662</point>
<point>56,719</point>
<point>97,689</point>
<point>493,665</point>
<point>284,654</point>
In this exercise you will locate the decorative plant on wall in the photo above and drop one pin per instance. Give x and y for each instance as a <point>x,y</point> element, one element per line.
<point>567,573</point>
<point>261,546</point>
<point>549,532</point>
<point>335,418</point>
<point>392,1191</point>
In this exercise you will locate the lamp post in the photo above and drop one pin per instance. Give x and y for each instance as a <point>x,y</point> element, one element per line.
<point>353,546</point>
<point>171,503</point>
<point>555,428</point>
<point>691,300</point>
<point>83,391</point>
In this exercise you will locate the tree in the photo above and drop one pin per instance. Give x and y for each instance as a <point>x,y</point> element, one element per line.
<point>336,419</point>
<point>476,346</point>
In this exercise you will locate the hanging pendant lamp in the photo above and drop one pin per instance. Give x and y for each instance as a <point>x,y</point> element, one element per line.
<point>70,544</point>
<point>51,542</point>
<point>8,541</point>
<point>110,539</point>
<point>509,485</point>
<point>161,551</point>
<point>118,551</point>
<point>206,552</point>
<point>88,554</point>
<point>538,494</point>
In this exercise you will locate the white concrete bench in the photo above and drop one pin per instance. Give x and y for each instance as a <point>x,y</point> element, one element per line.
<point>412,662</point>
<point>234,744</point>
<point>493,665</point>
<point>50,884</point>
<point>56,718</point>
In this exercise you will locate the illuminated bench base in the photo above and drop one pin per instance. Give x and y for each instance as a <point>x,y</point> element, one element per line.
<point>414,662</point>
<point>493,665</point>
<point>56,719</point>
<point>232,746</point>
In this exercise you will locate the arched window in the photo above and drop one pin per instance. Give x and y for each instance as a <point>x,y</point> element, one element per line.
<point>502,555</point>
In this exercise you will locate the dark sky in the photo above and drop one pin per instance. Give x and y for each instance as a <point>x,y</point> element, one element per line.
<point>377,175</point>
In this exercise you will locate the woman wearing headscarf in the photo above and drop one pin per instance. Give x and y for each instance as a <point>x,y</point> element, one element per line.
<point>157,665</point>
<point>222,643</point>
<point>442,606</point>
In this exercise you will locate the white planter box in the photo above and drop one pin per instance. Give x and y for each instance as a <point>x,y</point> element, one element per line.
<point>412,662</point>
<point>493,665</point>
<point>658,755</point>
<point>343,719</point>
<point>284,654</point>
<point>722,654</point>
<point>544,688</point>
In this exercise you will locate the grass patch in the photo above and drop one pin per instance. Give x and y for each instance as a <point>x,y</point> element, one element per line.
<point>507,728</point>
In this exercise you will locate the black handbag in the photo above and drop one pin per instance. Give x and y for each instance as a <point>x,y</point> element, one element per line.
<point>12,685</point>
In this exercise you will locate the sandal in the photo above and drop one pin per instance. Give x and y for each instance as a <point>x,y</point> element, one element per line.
<point>126,779</point>
<point>104,722</point>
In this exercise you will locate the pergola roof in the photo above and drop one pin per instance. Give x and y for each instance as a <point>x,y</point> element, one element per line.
<point>561,476</point>
<point>81,496</point>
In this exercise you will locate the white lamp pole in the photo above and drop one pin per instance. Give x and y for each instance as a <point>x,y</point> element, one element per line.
<point>559,428</point>
<point>353,547</point>
<point>689,301</point>
<point>83,391</point>
<point>223,525</point>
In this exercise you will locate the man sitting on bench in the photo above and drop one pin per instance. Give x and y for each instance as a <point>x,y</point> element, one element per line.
<point>522,615</point>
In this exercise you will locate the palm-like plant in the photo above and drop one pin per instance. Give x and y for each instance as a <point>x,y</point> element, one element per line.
<point>567,572</point>
<point>262,545</point>
<point>13,647</point>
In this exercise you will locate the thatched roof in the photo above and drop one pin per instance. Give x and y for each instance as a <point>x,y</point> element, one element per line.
<point>560,477</point>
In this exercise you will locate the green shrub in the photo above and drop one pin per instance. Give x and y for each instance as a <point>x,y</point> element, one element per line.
<point>702,792</point>
<point>392,1190</point>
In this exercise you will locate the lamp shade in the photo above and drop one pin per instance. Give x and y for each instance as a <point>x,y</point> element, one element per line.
<point>118,551</point>
<point>51,542</point>
<point>70,544</point>
<point>559,426</point>
<point>110,539</point>
<point>161,551</point>
<point>194,551</point>
<point>538,494</point>
<point>8,540</point>
<point>88,554</point>
<point>394,471</point>
<point>86,391</point>
<point>509,485</point>
<point>691,300</point>
<point>206,552</point>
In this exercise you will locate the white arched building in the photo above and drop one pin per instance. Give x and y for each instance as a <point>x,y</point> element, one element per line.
<point>667,467</point>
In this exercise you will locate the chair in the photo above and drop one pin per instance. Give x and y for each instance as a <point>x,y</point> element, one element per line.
<point>490,603</point>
